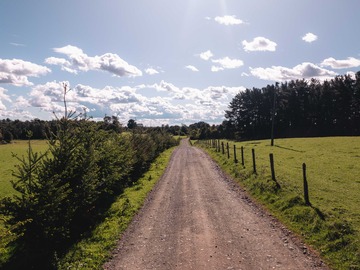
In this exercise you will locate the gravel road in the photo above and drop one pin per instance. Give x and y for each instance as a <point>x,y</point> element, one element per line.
<point>197,218</point>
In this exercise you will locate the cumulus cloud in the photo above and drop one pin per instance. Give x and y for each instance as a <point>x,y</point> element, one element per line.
<point>3,96</point>
<point>206,55</point>
<point>165,86</point>
<point>192,68</point>
<point>222,92</point>
<point>216,68</point>
<point>79,61</point>
<point>226,63</point>
<point>17,71</point>
<point>48,97</point>
<point>350,62</point>
<point>151,71</point>
<point>303,71</point>
<point>21,103</point>
<point>259,44</point>
<point>309,37</point>
<point>172,104</point>
<point>16,114</point>
<point>228,20</point>
<point>209,95</point>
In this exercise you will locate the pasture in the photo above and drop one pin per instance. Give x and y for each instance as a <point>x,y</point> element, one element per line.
<point>8,162</point>
<point>333,166</point>
<point>332,223</point>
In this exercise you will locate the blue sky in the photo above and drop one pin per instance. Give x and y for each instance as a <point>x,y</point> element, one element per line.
<point>165,62</point>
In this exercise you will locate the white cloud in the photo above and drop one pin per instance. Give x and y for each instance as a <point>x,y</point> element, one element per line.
<point>79,61</point>
<point>17,44</point>
<point>108,95</point>
<point>192,68</point>
<point>226,63</point>
<point>151,71</point>
<point>48,97</point>
<point>165,86</point>
<point>21,103</point>
<point>222,92</point>
<point>17,71</point>
<point>228,20</point>
<point>65,64</point>
<point>216,68</point>
<point>309,37</point>
<point>114,64</point>
<point>69,50</point>
<point>303,71</point>
<point>350,62</point>
<point>16,114</point>
<point>3,96</point>
<point>206,55</point>
<point>172,105</point>
<point>259,44</point>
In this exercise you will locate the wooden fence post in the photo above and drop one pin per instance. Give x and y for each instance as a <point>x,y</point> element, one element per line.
<point>222,148</point>
<point>254,159</point>
<point>306,189</point>
<point>273,170</point>
<point>272,167</point>
<point>242,156</point>
<point>235,159</point>
<point>227,150</point>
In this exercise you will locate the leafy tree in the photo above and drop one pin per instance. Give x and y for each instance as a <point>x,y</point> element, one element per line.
<point>131,124</point>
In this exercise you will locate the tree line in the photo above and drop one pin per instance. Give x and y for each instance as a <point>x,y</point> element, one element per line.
<point>42,129</point>
<point>302,108</point>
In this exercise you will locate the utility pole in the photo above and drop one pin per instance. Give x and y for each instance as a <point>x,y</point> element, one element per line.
<point>273,115</point>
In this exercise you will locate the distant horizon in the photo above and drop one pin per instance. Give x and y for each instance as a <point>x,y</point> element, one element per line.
<point>165,62</point>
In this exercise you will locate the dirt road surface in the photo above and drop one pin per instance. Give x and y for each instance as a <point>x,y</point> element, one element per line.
<point>196,218</point>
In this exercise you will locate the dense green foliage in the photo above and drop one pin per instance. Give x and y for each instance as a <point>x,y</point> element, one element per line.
<point>302,108</point>
<point>63,193</point>
<point>93,251</point>
<point>332,223</point>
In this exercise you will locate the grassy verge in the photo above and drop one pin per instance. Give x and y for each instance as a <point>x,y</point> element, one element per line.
<point>332,223</point>
<point>92,252</point>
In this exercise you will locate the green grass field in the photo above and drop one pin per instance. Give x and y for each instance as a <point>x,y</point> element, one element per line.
<point>8,161</point>
<point>332,224</point>
<point>8,164</point>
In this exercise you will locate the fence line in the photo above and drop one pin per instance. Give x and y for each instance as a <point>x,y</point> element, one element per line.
<point>217,143</point>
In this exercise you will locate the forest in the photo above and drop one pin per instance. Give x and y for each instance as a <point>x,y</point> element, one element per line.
<point>300,108</point>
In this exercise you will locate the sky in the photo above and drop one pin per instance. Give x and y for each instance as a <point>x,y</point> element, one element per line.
<point>165,62</point>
